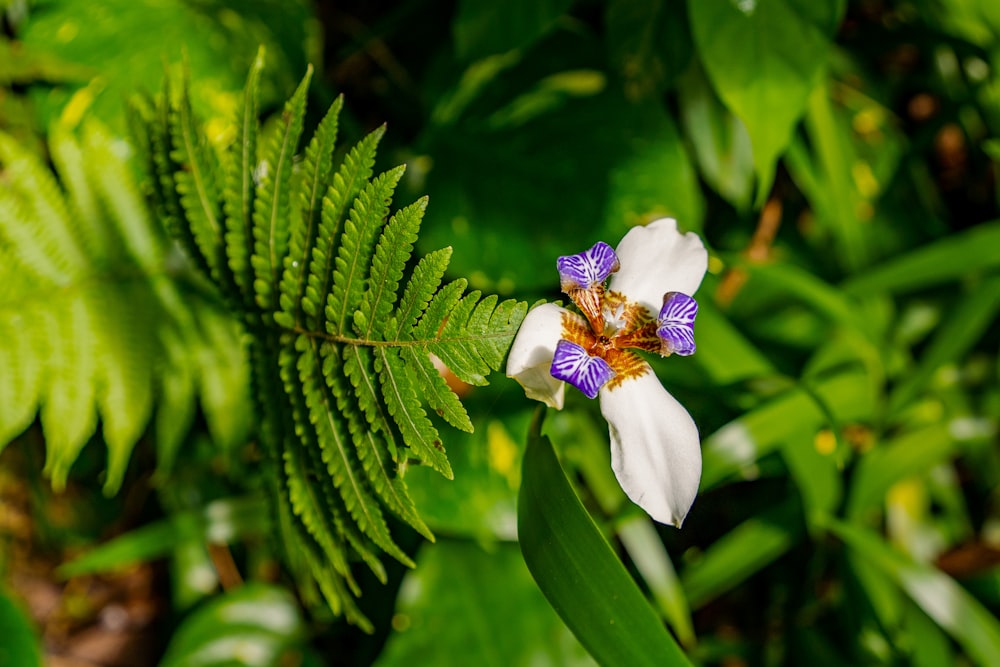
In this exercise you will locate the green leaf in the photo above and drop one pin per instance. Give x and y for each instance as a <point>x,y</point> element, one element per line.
<point>945,260</point>
<point>579,573</point>
<point>271,206</point>
<point>464,605</point>
<point>352,176</point>
<point>404,406</point>
<point>495,26</point>
<point>764,58</point>
<point>721,144</point>
<point>20,645</point>
<point>239,189</point>
<point>735,447</point>
<point>395,247</point>
<point>963,328</point>
<point>316,180</point>
<point>357,245</point>
<point>649,43</point>
<point>906,455</point>
<point>970,624</point>
<point>257,625</point>
<point>195,182</point>
<point>741,552</point>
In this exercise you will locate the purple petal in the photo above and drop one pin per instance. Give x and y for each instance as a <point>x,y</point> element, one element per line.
<point>572,364</point>
<point>675,325</point>
<point>588,268</point>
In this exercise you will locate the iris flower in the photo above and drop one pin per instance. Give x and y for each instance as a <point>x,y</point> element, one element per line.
<point>646,305</point>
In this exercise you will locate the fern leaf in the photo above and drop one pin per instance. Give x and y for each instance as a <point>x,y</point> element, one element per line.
<point>69,415</point>
<point>373,452</point>
<point>393,252</point>
<point>125,400</point>
<point>437,311</point>
<point>423,284</point>
<point>347,183</point>
<point>436,392</point>
<point>152,128</point>
<point>33,195</point>
<point>404,406</point>
<point>271,210</point>
<point>22,381</point>
<point>316,178</point>
<point>239,184</point>
<point>471,341</point>
<point>195,183</point>
<point>338,453</point>
<point>357,244</point>
<point>359,367</point>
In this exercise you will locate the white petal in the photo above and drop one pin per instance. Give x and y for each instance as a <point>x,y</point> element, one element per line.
<point>655,449</point>
<point>530,358</point>
<point>656,259</point>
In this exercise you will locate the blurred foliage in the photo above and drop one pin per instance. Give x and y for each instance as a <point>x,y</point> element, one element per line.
<point>840,160</point>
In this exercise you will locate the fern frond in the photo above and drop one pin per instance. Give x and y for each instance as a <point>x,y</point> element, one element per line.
<point>316,179</point>
<point>271,212</point>
<point>342,330</point>
<point>387,266</point>
<point>404,406</point>
<point>338,452</point>
<point>87,302</point>
<point>357,244</point>
<point>195,183</point>
<point>347,183</point>
<point>239,191</point>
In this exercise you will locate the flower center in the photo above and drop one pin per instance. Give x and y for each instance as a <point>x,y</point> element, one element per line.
<point>595,349</point>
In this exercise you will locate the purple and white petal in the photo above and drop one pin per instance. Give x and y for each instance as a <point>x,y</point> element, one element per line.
<point>572,364</point>
<point>655,449</point>
<point>530,358</point>
<point>656,259</point>
<point>675,325</point>
<point>588,268</point>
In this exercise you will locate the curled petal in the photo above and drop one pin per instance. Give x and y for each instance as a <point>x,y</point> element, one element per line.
<point>530,359</point>
<point>657,259</point>
<point>572,364</point>
<point>588,268</point>
<point>655,449</point>
<point>675,325</point>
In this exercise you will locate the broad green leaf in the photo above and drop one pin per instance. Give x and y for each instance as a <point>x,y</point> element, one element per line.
<point>723,351</point>
<point>486,27</point>
<point>742,552</point>
<point>735,447</point>
<point>464,605</point>
<point>257,625</point>
<point>645,548</point>
<point>906,455</point>
<point>964,325</point>
<point>815,472</point>
<point>648,42</point>
<point>720,140</point>
<point>221,522</point>
<point>20,646</point>
<point>763,58</point>
<point>969,623</point>
<point>945,260</point>
<point>579,573</point>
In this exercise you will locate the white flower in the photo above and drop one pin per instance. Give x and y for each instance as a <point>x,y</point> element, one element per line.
<point>655,449</point>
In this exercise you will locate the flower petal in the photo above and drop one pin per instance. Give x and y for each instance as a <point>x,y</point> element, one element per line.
<point>588,268</point>
<point>675,325</point>
<point>655,449</point>
<point>572,364</point>
<point>657,259</point>
<point>530,359</point>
